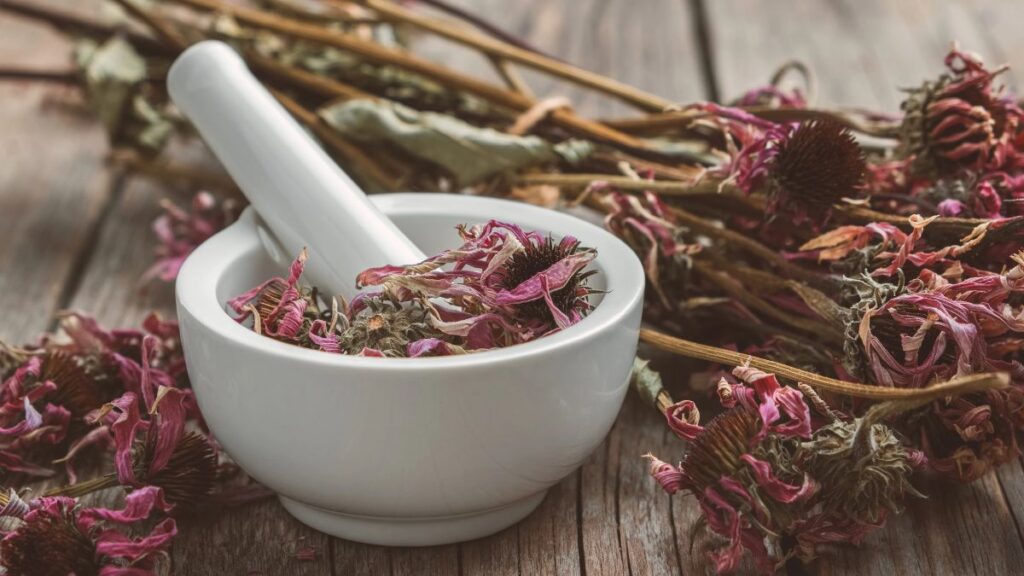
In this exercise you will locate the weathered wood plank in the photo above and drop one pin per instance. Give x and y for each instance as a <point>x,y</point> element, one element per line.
<point>53,185</point>
<point>862,53</point>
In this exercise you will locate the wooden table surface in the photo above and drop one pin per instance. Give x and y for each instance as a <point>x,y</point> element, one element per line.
<point>76,235</point>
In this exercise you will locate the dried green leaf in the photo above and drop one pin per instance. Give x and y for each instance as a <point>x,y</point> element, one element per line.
<point>646,381</point>
<point>467,152</point>
<point>111,71</point>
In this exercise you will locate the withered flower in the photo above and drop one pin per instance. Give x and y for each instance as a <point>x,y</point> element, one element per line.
<point>502,286</point>
<point>942,330</point>
<point>961,120</point>
<point>58,537</point>
<point>387,327</point>
<point>647,225</point>
<point>816,165</point>
<point>157,451</point>
<point>179,232</point>
<point>804,168</point>
<point>536,257</point>
<point>771,483</point>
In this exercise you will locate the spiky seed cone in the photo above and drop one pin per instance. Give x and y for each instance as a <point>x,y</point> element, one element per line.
<point>716,452</point>
<point>77,389</point>
<point>533,259</point>
<point>818,165</point>
<point>190,475</point>
<point>49,545</point>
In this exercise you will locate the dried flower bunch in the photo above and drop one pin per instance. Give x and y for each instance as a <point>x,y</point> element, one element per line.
<point>775,481</point>
<point>872,269</point>
<point>114,396</point>
<point>502,286</point>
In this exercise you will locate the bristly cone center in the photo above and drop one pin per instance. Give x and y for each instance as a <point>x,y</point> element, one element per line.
<point>49,546</point>
<point>534,259</point>
<point>818,165</point>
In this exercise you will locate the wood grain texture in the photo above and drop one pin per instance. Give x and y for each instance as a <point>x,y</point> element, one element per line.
<point>53,186</point>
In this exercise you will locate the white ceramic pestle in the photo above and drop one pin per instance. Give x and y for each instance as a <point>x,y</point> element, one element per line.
<point>301,195</point>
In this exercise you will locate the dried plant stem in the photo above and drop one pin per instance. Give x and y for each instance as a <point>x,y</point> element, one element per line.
<point>308,82</point>
<point>662,122</point>
<point>974,382</point>
<point>638,98</point>
<point>754,248</point>
<point>625,183</point>
<point>68,20</point>
<point>360,162</point>
<point>161,27</point>
<point>57,76</point>
<point>87,487</point>
<point>736,291</point>
<point>511,76</point>
<point>374,52</point>
<point>482,25</point>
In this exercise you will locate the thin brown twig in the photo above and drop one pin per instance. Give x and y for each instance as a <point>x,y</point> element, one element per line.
<point>58,76</point>
<point>751,246</point>
<point>160,26</point>
<point>765,308</point>
<point>482,25</point>
<point>374,52</point>
<point>643,100</point>
<point>961,385</point>
<point>511,76</point>
<point>68,20</point>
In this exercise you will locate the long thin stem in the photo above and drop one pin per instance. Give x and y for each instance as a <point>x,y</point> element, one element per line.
<point>374,52</point>
<point>765,308</point>
<point>161,27</point>
<point>962,385</point>
<point>65,19</point>
<point>639,98</point>
<point>86,487</point>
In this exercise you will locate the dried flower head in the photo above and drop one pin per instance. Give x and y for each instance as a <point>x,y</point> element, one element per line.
<point>387,327</point>
<point>816,165</point>
<point>961,120</point>
<point>58,537</point>
<point>536,257</point>
<point>50,542</point>
<point>771,483</point>
<point>939,330</point>
<point>179,232</point>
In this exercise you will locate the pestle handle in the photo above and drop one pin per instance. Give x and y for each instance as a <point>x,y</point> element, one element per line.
<point>301,195</point>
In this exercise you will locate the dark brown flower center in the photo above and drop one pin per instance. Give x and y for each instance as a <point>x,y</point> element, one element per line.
<point>716,452</point>
<point>819,164</point>
<point>532,260</point>
<point>49,545</point>
<point>190,474</point>
<point>77,389</point>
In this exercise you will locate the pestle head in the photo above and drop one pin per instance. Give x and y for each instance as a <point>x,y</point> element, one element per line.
<point>302,197</point>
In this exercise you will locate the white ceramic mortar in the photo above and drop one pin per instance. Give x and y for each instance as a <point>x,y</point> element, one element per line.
<point>409,451</point>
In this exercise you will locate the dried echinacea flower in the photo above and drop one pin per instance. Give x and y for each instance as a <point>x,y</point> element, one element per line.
<point>960,121</point>
<point>803,168</point>
<point>159,452</point>
<point>941,330</point>
<point>771,483</point>
<point>502,286</point>
<point>59,537</point>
